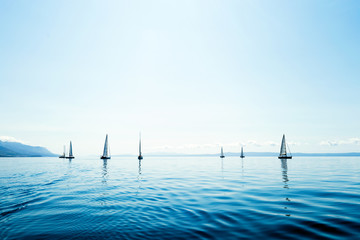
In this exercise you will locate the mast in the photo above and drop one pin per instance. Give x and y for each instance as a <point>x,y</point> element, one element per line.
<point>105,154</point>
<point>140,144</point>
<point>140,157</point>
<point>70,150</point>
<point>283,151</point>
<point>283,147</point>
<point>222,153</point>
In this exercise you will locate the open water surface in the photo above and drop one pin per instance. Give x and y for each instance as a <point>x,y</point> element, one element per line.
<point>180,198</point>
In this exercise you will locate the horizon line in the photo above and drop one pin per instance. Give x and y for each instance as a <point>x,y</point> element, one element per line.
<point>232,154</point>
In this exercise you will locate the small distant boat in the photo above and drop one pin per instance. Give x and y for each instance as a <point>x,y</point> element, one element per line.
<point>63,155</point>
<point>140,157</point>
<point>283,153</point>
<point>106,153</point>
<point>71,156</point>
<point>242,153</point>
<point>222,153</point>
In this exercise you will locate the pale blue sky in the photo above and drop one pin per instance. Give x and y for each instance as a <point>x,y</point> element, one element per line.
<point>191,75</point>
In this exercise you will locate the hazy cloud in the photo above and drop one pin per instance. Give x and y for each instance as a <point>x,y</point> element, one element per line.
<point>272,144</point>
<point>207,147</point>
<point>329,143</point>
<point>350,141</point>
<point>9,139</point>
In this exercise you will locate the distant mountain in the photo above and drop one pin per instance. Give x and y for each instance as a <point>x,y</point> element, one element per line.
<point>16,149</point>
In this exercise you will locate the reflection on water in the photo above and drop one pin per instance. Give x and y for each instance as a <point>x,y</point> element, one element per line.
<point>139,171</point>
<point>180,198</point>
<point>284,169</point>
<point>242,173</point>
<point>242,167</point>
<point>222,168</point>
<point>69,167</point>
<point>139,178</point>
<point>104,171</point>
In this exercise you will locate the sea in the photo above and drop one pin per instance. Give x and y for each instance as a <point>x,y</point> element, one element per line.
<point>180,198</point>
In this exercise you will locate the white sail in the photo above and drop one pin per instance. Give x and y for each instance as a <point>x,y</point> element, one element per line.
<point>70,150</point>
<point>64,151</point>
<point>222,152</point>
<point>283,147</point>
<point>106,147</point>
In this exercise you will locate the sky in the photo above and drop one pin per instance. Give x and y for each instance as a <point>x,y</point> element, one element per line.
<point>190,75</point>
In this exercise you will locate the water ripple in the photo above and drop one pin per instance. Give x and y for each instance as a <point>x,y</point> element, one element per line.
<point>175,198</point>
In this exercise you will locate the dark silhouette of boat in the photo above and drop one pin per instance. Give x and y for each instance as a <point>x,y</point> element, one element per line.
<point>140,157</point>
<point>242,153</point>
<point>63,155</point>
<point>222,153</point>
<point>71,156</point>
<point>283,152</point>
<point>106,153</point>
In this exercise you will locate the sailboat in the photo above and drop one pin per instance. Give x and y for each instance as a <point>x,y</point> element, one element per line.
<point>63,155</point>
<point>242,153</point>
<point>106,153</point>
<point>140,157</point>
<point>222,153</point>
<point>70,152</point>
<point>283,153</point>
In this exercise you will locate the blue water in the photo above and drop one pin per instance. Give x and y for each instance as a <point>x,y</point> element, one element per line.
<point>180,198</point>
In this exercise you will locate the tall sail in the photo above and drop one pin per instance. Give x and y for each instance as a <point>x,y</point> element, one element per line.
<point>106,148</point>
<point>106,153</point>
<point>222,153</point>
<point>242,152</point>
<point>70,150</point>
<point>64,151</point>
<point>283,153</point>
<point>283,147</point>
<point>140,157</point>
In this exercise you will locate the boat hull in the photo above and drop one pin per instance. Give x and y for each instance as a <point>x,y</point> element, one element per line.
<point>70,157</point>
<point>285,157</point>
<point>140,157</point>
<point>222,156</point>
<point>62,157</point>
<point>103,157</point>
<point>242,156</point>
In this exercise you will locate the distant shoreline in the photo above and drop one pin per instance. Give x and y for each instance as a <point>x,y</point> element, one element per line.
<point>249,154</point>
<point>28,156</point>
